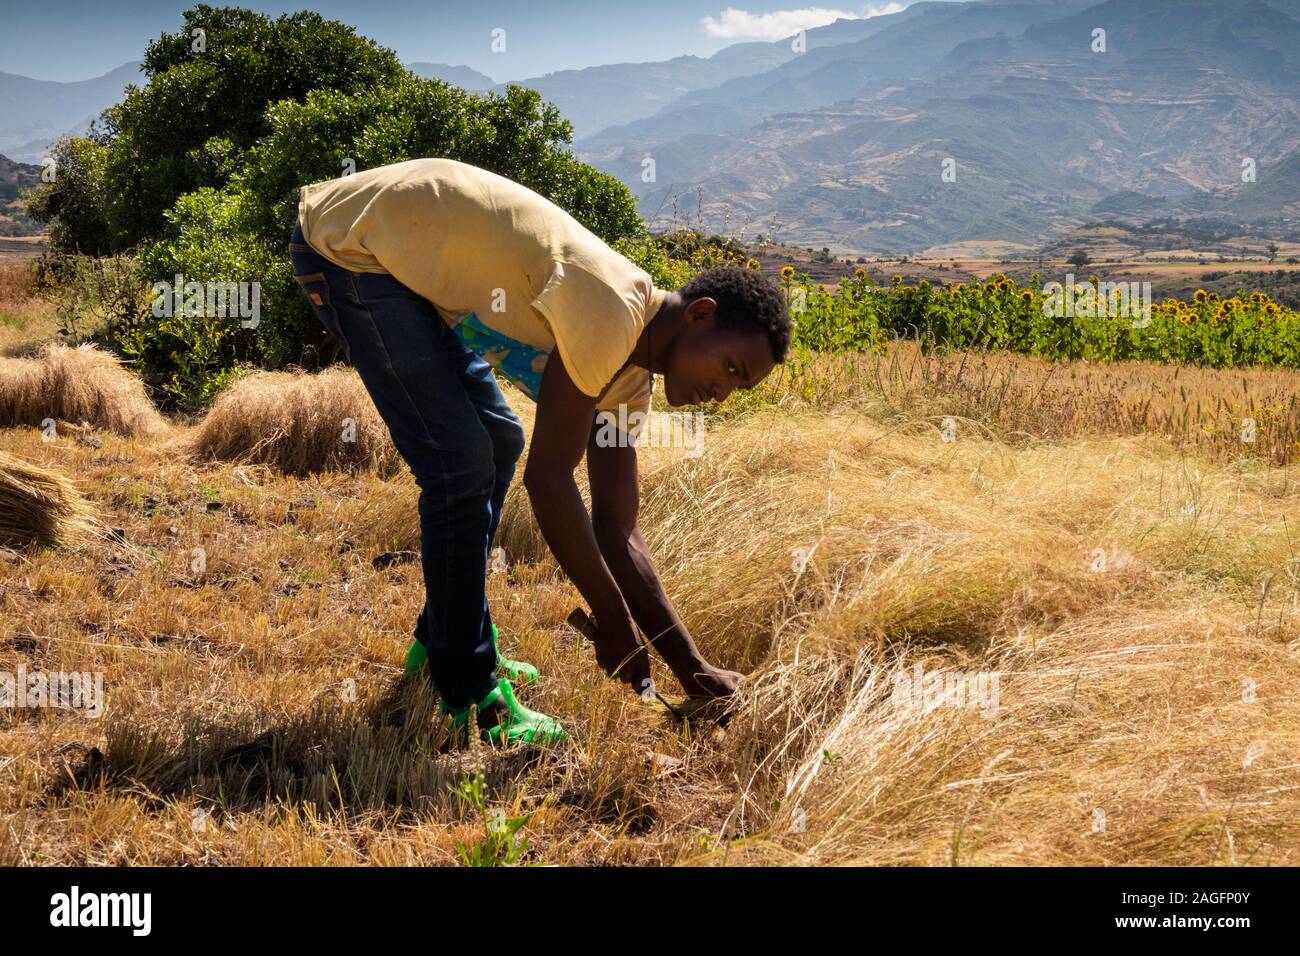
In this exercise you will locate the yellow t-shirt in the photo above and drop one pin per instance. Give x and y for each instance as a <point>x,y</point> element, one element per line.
<point>514,274</point>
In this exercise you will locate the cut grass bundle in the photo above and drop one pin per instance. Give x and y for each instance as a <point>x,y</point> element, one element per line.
<point>39,507</point>
<point>22,392</point>
<point>297,423</point>
<point>76,384</point>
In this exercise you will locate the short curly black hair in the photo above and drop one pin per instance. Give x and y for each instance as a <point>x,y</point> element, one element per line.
<point>746,300</point>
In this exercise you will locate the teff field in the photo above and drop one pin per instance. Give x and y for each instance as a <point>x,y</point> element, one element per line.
<point>1105,584</point>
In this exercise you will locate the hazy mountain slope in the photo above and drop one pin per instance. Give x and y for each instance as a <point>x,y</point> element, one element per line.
<point>598,96</point>
<point>33,113</point>
<point>462,76</point>
<point>14,178</point>
<point>1275,194</point>
<point>1040,128</point>
<point>620,94</point>
<point>896,49</point>
<point>1252,37</point>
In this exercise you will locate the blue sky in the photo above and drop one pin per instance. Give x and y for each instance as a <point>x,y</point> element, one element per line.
<point>77,39</point>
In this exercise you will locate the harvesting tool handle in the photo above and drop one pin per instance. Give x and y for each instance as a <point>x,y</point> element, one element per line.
<point>583,623</point>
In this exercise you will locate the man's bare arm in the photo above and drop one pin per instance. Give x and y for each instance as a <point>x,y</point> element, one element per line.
<point>615,502</point>
<point>560,432</point>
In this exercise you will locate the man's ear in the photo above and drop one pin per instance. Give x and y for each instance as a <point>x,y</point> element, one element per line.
<point>702,309</point>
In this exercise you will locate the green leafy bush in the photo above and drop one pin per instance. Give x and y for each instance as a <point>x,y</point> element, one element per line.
<point>214,78</point>
<point>73,205</point>
<point>192,351</point>
<point>93,295</point>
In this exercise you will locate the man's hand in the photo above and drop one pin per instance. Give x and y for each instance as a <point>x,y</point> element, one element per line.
<point>615,653</point>
<point>710,681</point>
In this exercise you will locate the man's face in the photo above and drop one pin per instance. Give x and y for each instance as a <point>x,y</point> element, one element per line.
<point>709,362</point>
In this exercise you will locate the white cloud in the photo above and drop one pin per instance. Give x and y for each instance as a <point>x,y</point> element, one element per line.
<point>733,24</point>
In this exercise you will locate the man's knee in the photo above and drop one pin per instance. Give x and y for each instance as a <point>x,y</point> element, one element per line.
<point>465,472</point>
<point>508,440</point>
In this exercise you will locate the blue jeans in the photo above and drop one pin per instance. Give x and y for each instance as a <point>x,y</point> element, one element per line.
<point>453,427</point>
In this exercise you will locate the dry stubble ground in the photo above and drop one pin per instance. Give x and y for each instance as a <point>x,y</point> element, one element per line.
<point>1137,604</point>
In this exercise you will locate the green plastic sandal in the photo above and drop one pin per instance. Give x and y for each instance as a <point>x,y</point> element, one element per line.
<point>416,658</point>
<point>520,725</point>
<point>520,671</point>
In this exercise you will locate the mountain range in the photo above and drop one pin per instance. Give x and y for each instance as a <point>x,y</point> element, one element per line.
<point>947,123</point>
<point>846,146</point>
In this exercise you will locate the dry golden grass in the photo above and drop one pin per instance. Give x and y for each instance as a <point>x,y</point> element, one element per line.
<point>24,331</point>
<point>1137,603</point>
<point>298,424</point>
<point>77,385</point>
<point>26,319</point>
<point>39,507</point>
<point>17,282</point>
<point>1223,413</point>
